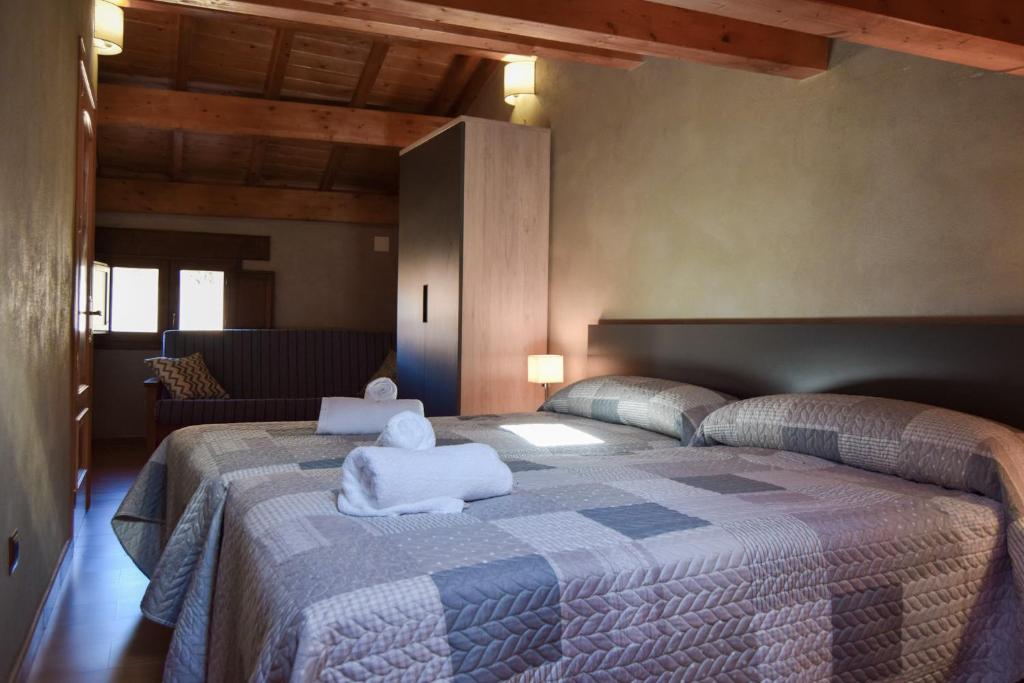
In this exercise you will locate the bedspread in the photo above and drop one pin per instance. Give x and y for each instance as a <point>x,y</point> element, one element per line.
<point>170,520</point>
<point>718,563</point>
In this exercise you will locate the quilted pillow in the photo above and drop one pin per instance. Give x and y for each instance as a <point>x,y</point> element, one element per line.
<point>660,405</point>
<point>186,378</point>
<point>910,440</point>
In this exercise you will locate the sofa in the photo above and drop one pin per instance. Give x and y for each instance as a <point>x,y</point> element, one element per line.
<point>270,375</point>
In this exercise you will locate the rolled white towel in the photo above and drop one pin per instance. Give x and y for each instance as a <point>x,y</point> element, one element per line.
<point>383,482</point>
<point>381,389</point>
<point>407,430</point>
<point>343,415</point>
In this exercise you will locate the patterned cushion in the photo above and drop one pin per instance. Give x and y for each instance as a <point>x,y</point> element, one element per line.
<point>660,405</point>
<point>910,440</point>
<point>186,378</point>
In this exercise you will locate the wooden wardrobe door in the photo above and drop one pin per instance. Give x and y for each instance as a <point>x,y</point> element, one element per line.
<point>429,271</point>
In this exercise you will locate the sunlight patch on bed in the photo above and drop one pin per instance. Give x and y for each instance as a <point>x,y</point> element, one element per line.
<point>550,435</point>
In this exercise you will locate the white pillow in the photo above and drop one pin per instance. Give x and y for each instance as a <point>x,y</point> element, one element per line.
<point>344,415</point>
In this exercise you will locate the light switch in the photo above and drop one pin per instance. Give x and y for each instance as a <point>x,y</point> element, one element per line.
<point>381,243</point>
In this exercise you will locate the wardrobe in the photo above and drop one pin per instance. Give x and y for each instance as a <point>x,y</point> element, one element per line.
<point>473,266</point>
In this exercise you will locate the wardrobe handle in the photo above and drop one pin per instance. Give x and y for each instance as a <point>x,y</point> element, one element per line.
<point>424,303</point>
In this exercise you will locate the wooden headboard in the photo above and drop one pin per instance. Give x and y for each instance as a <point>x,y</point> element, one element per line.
<point>975,365</point>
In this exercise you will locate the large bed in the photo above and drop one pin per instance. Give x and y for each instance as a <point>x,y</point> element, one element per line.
<point>821,538</point>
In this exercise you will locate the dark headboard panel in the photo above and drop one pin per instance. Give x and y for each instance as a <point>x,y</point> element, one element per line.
<point>972,365</point>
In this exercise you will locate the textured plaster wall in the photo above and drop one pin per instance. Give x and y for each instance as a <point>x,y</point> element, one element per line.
<point>326,275</point>
<point>38,82</point>
<point>890,185</point>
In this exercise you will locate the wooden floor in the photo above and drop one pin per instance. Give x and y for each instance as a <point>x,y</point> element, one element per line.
<point>97,633</point>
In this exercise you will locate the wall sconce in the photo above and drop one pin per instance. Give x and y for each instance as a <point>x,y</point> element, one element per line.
<point>520,77</point>
<point>544,369</point>
<point>108,28</point>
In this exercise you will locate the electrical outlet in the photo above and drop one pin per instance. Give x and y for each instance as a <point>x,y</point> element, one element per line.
<point>13,552</point>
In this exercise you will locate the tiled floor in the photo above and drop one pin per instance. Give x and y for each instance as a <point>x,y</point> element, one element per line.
<point>97,633</point>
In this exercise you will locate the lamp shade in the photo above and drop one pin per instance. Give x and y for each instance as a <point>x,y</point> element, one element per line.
<point>544,369</point>
<point>520,78</point>
<point>108,29</point>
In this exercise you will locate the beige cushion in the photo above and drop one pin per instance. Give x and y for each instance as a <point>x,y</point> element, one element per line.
<point>186,378</point>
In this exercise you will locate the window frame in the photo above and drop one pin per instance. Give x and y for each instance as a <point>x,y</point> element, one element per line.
<point>169,283</point>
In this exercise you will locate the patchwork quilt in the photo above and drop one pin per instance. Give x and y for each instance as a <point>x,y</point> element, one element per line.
<point>619,556</point>
<point>665,563</point>
<point>170,521</point>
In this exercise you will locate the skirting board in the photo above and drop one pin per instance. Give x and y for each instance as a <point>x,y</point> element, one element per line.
<point>41,621</point>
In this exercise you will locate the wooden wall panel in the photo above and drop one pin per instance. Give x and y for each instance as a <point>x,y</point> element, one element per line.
<point>131,242</point>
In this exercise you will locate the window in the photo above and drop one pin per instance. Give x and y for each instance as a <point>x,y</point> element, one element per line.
<point>99,304</point>
<point>200,300</point>
<point>134,299</point>
<point>149,296</point>
<point>163,280</point>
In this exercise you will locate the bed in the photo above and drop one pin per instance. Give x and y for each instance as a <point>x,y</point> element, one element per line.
<point>170,522</point>
<point>769,553</point>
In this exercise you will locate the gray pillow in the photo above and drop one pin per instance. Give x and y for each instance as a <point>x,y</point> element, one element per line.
<point>659,405</point>
<point>910,440</point>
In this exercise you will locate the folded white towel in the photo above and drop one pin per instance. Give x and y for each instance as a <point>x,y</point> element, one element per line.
<point>381,389</point>
<point>382,482</point>
<point>343,415</point>
<point>409,431</point>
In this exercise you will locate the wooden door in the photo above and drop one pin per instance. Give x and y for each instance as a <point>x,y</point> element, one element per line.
<point>84,238</point>
<point>429,271</point>
<point>250,299</point>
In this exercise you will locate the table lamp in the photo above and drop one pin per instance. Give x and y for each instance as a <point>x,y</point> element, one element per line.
<point>544,369</point>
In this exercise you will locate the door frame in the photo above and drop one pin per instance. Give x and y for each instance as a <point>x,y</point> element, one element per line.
<point>82,257</point>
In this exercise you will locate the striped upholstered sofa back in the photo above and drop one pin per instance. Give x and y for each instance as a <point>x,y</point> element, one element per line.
<point>280,364</point>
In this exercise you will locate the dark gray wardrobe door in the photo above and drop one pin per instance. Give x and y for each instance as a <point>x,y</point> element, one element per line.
<point>429,271</point>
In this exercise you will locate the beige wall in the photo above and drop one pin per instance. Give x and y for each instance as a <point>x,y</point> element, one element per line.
<point>326,275</point>
<point>890,185</point>
<point>38,101</point>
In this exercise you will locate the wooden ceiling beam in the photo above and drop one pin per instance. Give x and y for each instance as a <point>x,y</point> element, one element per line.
<point>483,73</point>
<point>276,69</point>
<point>240,201</point>
<point>367,79</point>
<point>278,64</point>
<point>177,155</point>
<point>122,105</point>
<point>368,76</point>
<point>986,34</point>
<point>334,165</point>
<point>318,17</point>
<point>183,49</point>
<point>634,26</point>
<point>455,79</point>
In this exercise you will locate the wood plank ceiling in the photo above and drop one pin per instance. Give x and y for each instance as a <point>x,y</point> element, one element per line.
<point>225,55</point>
<point>296,98</point>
